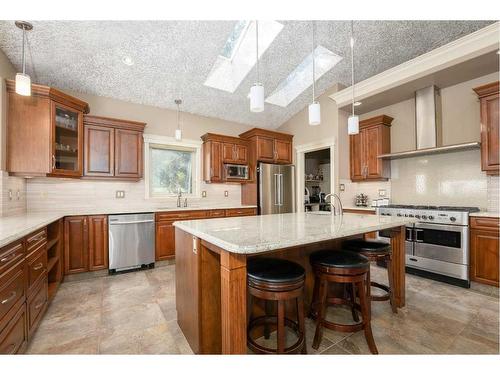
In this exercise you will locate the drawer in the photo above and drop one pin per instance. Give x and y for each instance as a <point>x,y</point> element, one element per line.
<point>241,212</point>
<point>11,254</point>
<point>37,303</point>
<point>486,223</point>
<point>35,240</point>
<point>13,338</point>
<point>12,286</point>
<point>182,215</point>
<point>37,267</point>
<point>217,213</point>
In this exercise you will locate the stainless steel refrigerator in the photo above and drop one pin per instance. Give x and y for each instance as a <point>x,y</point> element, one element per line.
<point>276,188</point>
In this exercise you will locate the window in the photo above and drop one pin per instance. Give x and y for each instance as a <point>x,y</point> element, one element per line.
<point>171,167</point>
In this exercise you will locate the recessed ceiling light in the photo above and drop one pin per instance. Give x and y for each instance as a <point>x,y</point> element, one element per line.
<point>357,104</point>
<point>127,60</point>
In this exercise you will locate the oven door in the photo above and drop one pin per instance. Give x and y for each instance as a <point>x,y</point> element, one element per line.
<point>385,236</point>
<point>448,243</point>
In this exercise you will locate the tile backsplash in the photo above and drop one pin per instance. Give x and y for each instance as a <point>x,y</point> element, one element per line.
<point>47,194</point>
<point>371,189</point>
<point>494,193</point>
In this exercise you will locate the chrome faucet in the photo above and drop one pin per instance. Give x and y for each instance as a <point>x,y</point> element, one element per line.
<point>332,205</point>
<point>179,196</point>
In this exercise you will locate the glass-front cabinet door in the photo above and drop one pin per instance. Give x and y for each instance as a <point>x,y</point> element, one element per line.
<point>67,144</point>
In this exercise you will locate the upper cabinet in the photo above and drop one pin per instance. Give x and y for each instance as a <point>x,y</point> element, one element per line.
<point>269,146</point>
<point>489,101</point>
<point>44,132</point>
<point>373,140</point>
<point>113,148</point>
<point>219,150</point>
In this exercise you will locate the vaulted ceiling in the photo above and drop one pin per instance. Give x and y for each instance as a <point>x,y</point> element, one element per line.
<point>172,59</point>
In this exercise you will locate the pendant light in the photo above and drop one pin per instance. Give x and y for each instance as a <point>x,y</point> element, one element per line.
<point>353,120</point>
<point>23,80</point>
<point>314,107</point>
<point>178,131</point>
<point>257,90</point>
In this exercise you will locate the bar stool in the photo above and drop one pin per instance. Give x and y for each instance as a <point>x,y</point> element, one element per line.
<point>374,251</point>
<point>349,269</point>
<point>276,280</point>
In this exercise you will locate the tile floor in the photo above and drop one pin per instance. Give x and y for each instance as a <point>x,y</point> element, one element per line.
<point>134,313</point>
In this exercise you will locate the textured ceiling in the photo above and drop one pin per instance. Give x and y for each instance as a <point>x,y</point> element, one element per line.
<point>172,59</point>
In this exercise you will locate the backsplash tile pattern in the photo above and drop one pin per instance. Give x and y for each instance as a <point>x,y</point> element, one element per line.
<point>63,195</point>
<point>348,196</point>
<point>494,193</point>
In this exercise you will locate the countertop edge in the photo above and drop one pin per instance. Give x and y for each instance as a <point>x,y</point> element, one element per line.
<point>491,214</point>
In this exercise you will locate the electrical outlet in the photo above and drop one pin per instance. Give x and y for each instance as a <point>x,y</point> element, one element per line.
<point>382,192</point>
<point>342,187</point>
<point>203,194</point>
<point>120,194</point>
<point>226,193</point>
<point>10,194</point>
<point>18,194</point>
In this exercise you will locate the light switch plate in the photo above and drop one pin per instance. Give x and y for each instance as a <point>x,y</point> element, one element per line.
<point>203,194</point>
<point>120,194</point>
<point>342,187</point>
<point>226,193</point>
<point>382,192</point>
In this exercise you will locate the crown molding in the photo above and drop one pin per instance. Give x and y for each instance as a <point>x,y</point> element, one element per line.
<point>468,47</point>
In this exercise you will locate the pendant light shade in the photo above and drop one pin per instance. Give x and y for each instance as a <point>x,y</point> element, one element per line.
<point>178,131</point>
<point>314,107</point>
<point>257,90</point>
<point>353,121</point>
<point>314,114</point>
<point>23,81</point>
<point>23,84</point>
<point>352,125</point>
<point>257,98</point>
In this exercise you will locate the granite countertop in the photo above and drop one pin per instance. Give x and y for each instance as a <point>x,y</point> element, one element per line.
<point>486,214</point>
<point>257,234</point>
<point>14,227</point>
<point>361,208</point>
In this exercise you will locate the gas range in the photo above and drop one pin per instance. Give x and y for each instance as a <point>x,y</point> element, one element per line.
<point>450,215</point>
<point>437,246</point>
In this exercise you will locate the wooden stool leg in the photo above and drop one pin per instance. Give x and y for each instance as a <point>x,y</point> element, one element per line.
<point>323,291</point>
<point>281,326</point>
<point>352,298</point>
<point>301,321</point>
<point>268,310</point>
<point>314,301</point>
<point>391,284</point>
<point>366,314</point>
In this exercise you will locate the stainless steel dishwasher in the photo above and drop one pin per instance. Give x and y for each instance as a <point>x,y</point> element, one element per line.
<point>131,241</point>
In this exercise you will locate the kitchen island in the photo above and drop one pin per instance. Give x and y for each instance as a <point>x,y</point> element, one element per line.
<point>211,257</point>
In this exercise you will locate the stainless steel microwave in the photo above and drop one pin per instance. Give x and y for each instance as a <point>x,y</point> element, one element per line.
<point>235,171</point>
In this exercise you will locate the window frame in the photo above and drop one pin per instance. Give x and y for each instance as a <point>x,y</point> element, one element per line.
<point>156,141</point>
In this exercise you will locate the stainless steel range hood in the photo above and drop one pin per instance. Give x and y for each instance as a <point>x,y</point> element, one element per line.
<point>428,127</point>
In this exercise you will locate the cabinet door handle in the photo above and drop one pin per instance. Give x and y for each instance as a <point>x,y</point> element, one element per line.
<point>38,266</point>
<point>37,238</point>
<point>8,257</point>
<point>13,295</point>
<point>39,305</point>
<point>53,162</point>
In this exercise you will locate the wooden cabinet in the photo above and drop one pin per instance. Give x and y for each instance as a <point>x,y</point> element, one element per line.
<point>373,140</point>
<point>85,243</point>
<point>14,338</point>
<point>484,250</point>
<point>219,150</point>
<point>490,134</point>
<point>44,133</point>
<point>165,240</point>
<point>269,146</point>
<point>241,212</point>
<point>113,148</point>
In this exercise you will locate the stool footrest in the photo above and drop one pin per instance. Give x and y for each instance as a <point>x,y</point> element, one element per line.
<point>273,319</point>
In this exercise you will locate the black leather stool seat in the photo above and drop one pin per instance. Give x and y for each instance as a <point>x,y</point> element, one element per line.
<point>366,246</point>
<point>274,270</point>
<point>339,259</point>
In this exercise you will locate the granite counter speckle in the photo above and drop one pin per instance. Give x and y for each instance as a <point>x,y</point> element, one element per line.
<point>258,234</point>
<point>492,214</point>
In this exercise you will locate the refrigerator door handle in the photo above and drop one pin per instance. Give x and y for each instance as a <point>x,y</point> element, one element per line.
<point>276,190</point>
<point>281,188</point>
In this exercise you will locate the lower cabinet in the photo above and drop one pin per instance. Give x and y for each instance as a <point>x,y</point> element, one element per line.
<point>37,304</point>
<point>14,337</point>
<point>165,240</point>
<point>484,250</point>
<point>85,243</point>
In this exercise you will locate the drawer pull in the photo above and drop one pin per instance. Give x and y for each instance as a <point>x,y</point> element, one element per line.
<point>37,238</point>
<point>37,307</point>
<point>38,266</point>
<point>13,295</point>
<point>8,257</point>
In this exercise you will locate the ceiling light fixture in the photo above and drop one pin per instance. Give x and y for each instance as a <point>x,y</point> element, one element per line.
<point>257,90</point>
<point>314,107</point>
<point>23,80</point>
<point>353,120</point>
<point>127,60</point>
<point>178,131</point>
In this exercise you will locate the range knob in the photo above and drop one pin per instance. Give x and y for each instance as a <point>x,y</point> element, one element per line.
<point>417,216</point>
<point>399,215</point>
<point>406,215</point>
<point>453,218</point>
<point>388,214</point>
<point>410,215</point>
<point>431,217</point>
<point>424,217</point>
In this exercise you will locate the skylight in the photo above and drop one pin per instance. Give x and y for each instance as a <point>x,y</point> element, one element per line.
<point>238,55</point>
<point>301,77</point>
